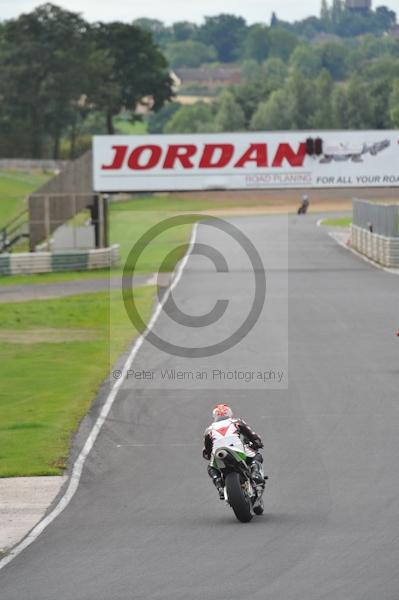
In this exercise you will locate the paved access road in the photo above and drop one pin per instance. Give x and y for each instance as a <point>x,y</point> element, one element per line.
<point>62,289</point>
<point>146,524</point>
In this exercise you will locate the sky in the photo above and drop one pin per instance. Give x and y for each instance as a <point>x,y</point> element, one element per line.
<point>170,11</point>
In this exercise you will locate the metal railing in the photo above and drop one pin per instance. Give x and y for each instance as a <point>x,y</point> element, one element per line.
<point>14,231</point>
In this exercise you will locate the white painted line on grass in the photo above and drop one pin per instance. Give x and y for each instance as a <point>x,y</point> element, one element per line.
<point>81,459</point>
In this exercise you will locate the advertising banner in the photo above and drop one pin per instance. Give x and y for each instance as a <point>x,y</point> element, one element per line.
<point>259,160</point>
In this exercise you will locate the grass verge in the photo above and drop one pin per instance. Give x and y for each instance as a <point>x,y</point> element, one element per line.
<point>129,219</point>
<point>14,187</point>
<point>49,384</point>
<point>339,222</point>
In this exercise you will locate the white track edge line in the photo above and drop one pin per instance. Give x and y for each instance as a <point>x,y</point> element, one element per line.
<point>92,437</point>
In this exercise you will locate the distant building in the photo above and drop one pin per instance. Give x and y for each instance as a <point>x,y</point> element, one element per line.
<point>359,5</point>
<point>209,77</point>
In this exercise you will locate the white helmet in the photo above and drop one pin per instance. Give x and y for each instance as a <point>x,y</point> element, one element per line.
<point>222,411</point>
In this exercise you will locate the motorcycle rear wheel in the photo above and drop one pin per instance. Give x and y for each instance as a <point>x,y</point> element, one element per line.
<point>237,499</point>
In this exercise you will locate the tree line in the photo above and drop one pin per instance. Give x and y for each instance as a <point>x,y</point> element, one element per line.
<point>228,38</point>
<point>63,79</point>
<point>57,72</point>
<point>352,84</point>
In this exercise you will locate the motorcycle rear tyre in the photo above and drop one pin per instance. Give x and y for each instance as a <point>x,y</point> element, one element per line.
<point>238,502</point>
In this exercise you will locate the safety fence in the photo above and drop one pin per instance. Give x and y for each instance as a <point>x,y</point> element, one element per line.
<point>47,262</point>
<point>382,249</point>
<point>375,232</point>
<point>382,219</point>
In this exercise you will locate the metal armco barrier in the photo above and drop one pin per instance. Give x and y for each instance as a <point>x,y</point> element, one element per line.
<point>375,231</point>
<point>47,262</point>
<point>382,249</point>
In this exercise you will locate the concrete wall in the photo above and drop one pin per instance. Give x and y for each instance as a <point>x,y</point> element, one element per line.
<point>382,249</point>
<point>47,262</point>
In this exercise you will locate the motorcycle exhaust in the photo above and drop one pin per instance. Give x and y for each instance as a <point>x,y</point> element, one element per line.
<point>221,454</point>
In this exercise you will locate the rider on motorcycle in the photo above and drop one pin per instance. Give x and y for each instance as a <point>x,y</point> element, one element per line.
<point>224,425</point>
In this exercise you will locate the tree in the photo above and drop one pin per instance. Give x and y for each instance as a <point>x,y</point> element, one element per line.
<point>230,116</point>
<point>251,70</point>
<point>301,99</point>
<point>359,104</point>
<point>139,71</point>
<point>282,43</point>
<point>337,13</point>
<point>306,60</point>
<point>334,59</point>
<point>256,44</point>
<point>385,66</point>
<point>225,33</point>
<point>323,114</point>
<point>274,20</point>
<point>42,72</point>
<point>340,107</point>
<point>197,118</point>
<point>189,54</point>
<point>380,91</point>
<point>248,95</point>
<point>394,105</point>
<point>325,14</point>
<point>385,17</point>
<point>351,105</point>
<point>158,120</point>
<point>275,71</point>
<point>184,30</point>
<point>161,34</point>
<point>274,114</point>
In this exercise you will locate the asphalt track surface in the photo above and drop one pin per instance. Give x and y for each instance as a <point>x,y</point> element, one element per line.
<point>145,522</point>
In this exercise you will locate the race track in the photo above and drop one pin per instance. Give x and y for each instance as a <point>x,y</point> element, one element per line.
<point>146,524</point>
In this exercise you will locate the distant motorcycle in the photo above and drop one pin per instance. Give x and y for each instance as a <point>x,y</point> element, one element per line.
<point>241,493</point>
<point>303,209</point>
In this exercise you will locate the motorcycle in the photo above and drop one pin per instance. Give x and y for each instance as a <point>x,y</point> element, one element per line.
<point>303,209</point>
<point>241,493</point>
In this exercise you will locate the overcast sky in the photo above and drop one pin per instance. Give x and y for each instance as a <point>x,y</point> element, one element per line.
<point>170,11</point>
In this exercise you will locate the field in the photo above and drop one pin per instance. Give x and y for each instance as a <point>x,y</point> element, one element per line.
<point>14,187</point>
<point>55,353</point>
<point>53,356</point>
<point>339,222</point>
<point>129,219</point>
<point>126,127</point>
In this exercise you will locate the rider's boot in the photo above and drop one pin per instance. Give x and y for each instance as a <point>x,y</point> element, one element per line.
<point>214,474</point>
<point>257,474</point>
